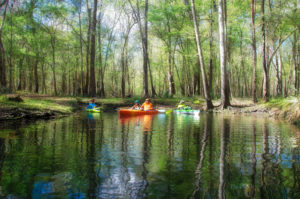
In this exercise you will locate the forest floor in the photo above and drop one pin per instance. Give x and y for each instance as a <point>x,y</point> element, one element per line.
<point>43,106</point>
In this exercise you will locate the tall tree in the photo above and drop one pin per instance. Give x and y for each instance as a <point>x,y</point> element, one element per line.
<point>81,50</point>
<point>279,74</point>
<point>153,92</point>
<point>254,98</point>
<point>211,21</point>
<point>124,55</point>
<point>294,61</point>
<point>101,70</point>
<point>137,17</point>
<point>264,64</point>
<point>209,104</point>
<point>2,51</point>
<point>225,102</point>
<point>92,90</point>
<point>88,51</point>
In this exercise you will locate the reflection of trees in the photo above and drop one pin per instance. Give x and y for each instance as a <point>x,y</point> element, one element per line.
<point>147,143</point>
<point>124,158</point>
<point>170,151</point>
<point>170,135</point>
<point>53,144</point>
<point>270,170</point>
<point>2,155</point>
<point>253,158</point>
<point>90,154</point>
<point>225,130</point>
<point>198,172</point>
<point>296,172</point>
<point>211,161</point>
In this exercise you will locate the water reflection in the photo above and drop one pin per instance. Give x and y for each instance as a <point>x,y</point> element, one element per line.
<point>251,192</point>
<point>198,172</point>
<point>225,130</point>
<point>162,156</point>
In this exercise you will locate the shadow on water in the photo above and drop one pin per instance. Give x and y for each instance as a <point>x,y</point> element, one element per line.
<point>156,156</point>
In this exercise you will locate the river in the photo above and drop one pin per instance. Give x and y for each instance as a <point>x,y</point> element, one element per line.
<point>161,156</point>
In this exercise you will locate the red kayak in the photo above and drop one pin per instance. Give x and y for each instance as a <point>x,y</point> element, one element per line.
<point>132,112</point>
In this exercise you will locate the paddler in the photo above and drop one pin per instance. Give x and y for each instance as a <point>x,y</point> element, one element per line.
<point>137,105</point>
<point>182,105</point>
<point>147,105</point>
<point>91,105</point>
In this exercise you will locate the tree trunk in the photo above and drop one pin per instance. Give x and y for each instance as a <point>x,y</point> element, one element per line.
<point>227,50</point>
<point>264,64</point>
<point>36,75</point>
<point>294,63</point>
<point>242,66</point>
<point>153,92</point>
<point>2,64</point>
<point>170,75</point>
<point>69,82</point>
<point>81,53</point>
<point>101,70</point>
<point>86,90</point>
<point>280,66</point>
<point>92,90</point>
<point>53,64</point>
<point>31,75</point>
<point>145,49</point>
<point>124,63</point>
<point>210,74</point>
<point>123,85</point>
<point>2,52</point>
<point>254,98</point>
<point>224,92</point>
<point>63,82</point>
<point>43,78</point>
<point>170,68</point>
<point>11,66</point>
<point>209,104</point>
<point>21,75</point>
<point>144,45</point>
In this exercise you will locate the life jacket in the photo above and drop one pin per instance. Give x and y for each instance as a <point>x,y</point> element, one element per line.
<point>91,106</point>
<point>147,106</point>
<point>181,106</point>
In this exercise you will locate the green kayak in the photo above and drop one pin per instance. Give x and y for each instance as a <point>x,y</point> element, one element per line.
<point>94,110</point>
<point>187,111</point>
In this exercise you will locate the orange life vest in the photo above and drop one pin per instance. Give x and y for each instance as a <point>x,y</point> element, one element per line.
<point>147,106</point>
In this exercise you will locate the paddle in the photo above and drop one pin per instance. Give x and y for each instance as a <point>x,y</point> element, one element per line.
<point>166,111</point>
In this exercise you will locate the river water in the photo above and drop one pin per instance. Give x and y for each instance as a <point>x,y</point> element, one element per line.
<point>162,156</point>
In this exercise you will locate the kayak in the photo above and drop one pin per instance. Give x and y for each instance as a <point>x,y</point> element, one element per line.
<point>94,110</point>
<point>186,111</point>
<point>132,112</point>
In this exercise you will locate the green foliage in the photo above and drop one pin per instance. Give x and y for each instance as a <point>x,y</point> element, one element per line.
<point>38,104</point>
<point>34,29</point>
<point>283,103</point>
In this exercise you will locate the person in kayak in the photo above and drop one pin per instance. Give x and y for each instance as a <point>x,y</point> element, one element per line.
<point>147,105</point>
<point>137,105</point>
<point>91,105</point>
<point>183,106</point>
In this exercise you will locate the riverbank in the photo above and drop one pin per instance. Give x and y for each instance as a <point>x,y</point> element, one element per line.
<point>287,109</point>
<point>14,107</point>
<point>39,106</point>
